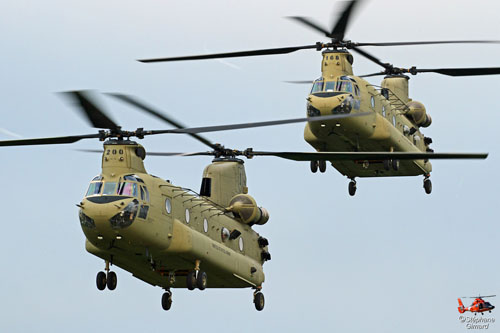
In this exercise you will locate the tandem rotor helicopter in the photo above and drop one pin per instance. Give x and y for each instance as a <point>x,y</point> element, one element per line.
<point>163,234</point>
<point>381,144</point>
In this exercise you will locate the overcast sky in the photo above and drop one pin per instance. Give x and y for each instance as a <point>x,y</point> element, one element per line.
<point>389,259</point>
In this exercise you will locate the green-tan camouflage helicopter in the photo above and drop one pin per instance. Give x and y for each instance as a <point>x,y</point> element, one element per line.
<point>164,234</point>
<point>382,144</point>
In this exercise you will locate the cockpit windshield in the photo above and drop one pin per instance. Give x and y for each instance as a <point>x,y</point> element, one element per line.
<point>342,84</point>
<point>131,186</point>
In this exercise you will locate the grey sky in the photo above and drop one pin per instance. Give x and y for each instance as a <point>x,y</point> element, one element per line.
<point>389,259</point>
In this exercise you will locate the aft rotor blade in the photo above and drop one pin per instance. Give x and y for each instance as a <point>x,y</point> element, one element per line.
<point>338,31</point>
<point>142,106</point>
<point>48,141</point>
<point>257,124</point>
<point>362,156</point>
<point>311,24</point>
<point>463,71</point>
<point>280,50</point>
<point>96,116</point>
<point>430,42</point>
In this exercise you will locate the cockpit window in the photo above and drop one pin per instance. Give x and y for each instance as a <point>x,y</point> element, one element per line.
<point>330,86</point>
<point>127,188</point>
<point>109,188</point>
<point>144,194</point>
<point>317,86</point>
<point>94,188</point>
<point>133,178</point>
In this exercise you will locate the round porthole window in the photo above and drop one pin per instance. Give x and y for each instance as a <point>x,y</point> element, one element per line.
<point>240,243</point>
<point>372,100</point>
<point>383,110</point>
<point>205,225</point>
<point>168,206</point>
<point>187,215</point>
<point>394,120</point>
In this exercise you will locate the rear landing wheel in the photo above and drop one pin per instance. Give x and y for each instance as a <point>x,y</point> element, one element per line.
<point>258,300</point>
<point>166,301</point>
<point>352,187</point>
<point>191,280</point>
<point>101,280</point>
<point>395,165</point>
<point>314,166</point>
<point>387,165</point>
<point>427,185</point>
<point>322,166</point>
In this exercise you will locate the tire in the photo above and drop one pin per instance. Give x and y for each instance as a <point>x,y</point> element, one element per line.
<point>191,280</point>
<point>258,300</point>
<point>395,165</point>
<point>166,301</point>
<point>428,186</point>
<point>322,166</point>
<point>387,165</point>
<point>111,280</point>
<point>314,166</point>
<point>101,280</point>
<point>352,188</point>
<point>201,280</point>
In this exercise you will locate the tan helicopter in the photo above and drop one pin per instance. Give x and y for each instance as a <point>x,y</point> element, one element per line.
<point>384,143</point>
<point>164,234</point>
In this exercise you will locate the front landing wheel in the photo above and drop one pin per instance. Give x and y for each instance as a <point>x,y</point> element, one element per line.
<point>258,300</point>
<point>166,301</point>
<point>101,280</point>
<point>352,188</point>
<point>427,185</point>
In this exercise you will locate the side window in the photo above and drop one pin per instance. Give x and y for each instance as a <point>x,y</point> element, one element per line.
<point>168,205</point>
<point>143,212</point>
<point>144,194</point>
<point>372,102</point>
<point>356,90</point>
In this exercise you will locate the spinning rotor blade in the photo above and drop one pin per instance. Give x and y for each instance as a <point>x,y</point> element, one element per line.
<point>280,50</point>
<point>308,22</point>
<point>48,141</point>
<point>94,114</point>
<point>372,58</point>
<point>430,43</point>
<point>340,27</point>
<point>361,156</point>
<point>443,71</point>
<point>142,106</point>
<point>205,129</point>
<point>100,151</point>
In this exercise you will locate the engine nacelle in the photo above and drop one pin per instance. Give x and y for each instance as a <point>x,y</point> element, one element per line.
<point>244,208</point>
<point>418,114</point>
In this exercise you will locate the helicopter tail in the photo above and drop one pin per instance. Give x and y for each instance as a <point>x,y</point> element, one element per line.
<point>461,307</point>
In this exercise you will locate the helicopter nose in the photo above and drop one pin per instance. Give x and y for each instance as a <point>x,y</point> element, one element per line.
<point>334,104</point>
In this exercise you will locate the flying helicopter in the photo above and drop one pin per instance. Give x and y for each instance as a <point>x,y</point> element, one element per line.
<point>381,144</point>
<point>164,234</point>
<point>477,306</point>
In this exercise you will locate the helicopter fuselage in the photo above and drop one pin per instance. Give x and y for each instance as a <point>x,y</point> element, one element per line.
<point>159,232</point>
<point>388,127</point>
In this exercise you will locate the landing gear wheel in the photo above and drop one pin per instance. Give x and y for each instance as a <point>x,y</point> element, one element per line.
<point>201,280</point>
<point>258,300</point>
<point>191,280</point>
<point>111,280</point>
<point>322,166</point>
<point>427,185</point>
<point>352,188</point>
<point>395,165</point>
<point>166,300</point>
<point>101,280</point>
<point>314,166</point>
<point>387,165</point>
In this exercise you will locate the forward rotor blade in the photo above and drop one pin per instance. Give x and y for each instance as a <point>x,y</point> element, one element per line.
<point>256,124</point>
<point>280,50</point>
<point>100,151</point>
<point>47,141</point>
<point>372,58</point>
<point>362,156</point>
<point>142,106</point>
<point>309,22</point>
<point>338,31</point>
<point>94,114</point>
<point>463,71</point>
<point>430,42</point>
